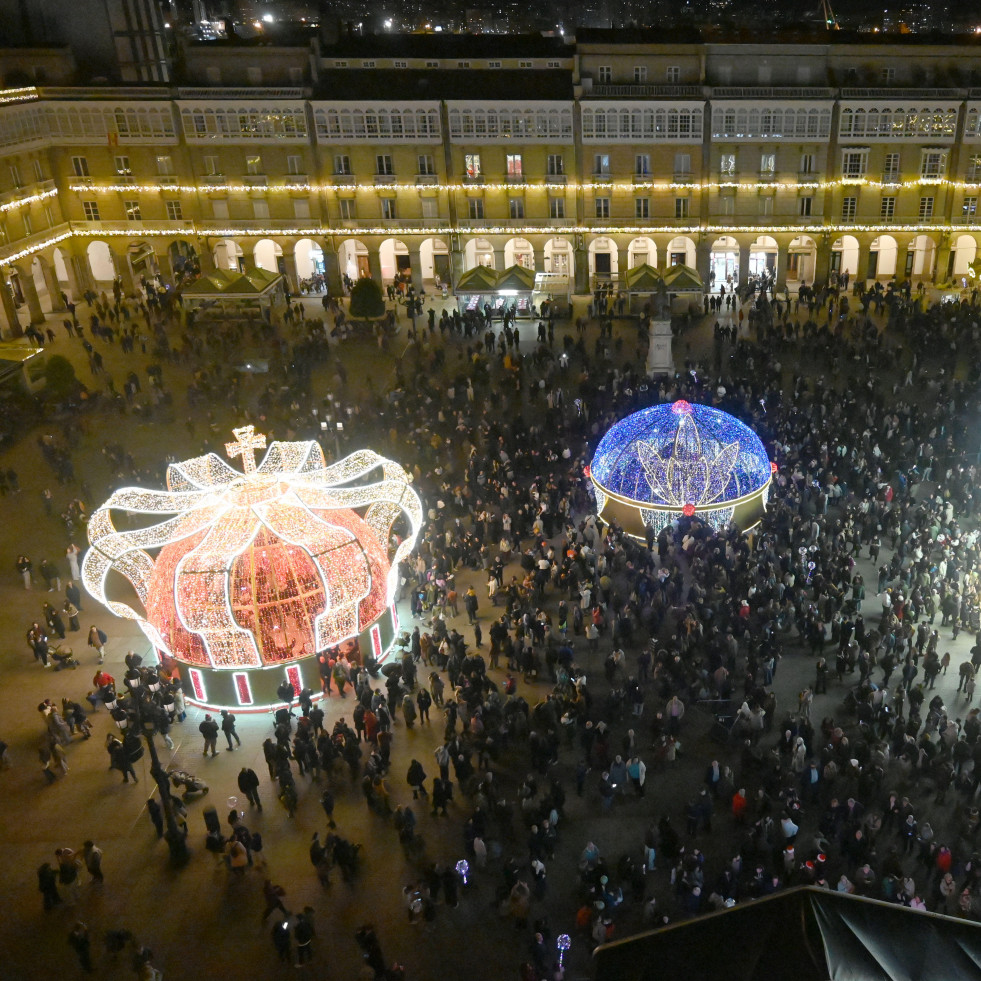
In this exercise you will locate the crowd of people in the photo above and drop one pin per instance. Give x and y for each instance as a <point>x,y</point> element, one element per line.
<point>573,675</point>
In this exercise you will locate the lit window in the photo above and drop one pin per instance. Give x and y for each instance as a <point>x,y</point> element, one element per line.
<point>174,211</point>
<point>91,210</point>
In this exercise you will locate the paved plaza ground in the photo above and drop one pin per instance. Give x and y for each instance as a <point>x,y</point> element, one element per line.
<point>202,922</point>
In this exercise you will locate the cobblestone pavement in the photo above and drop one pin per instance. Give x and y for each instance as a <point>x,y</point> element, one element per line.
<point>201,922</point>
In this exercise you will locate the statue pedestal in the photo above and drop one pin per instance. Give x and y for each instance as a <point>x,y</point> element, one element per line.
<point>660,360</point>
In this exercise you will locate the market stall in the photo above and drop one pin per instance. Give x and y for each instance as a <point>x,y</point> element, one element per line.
<point>685,287</point>
<point>641,284</point>
<point>233,295</point>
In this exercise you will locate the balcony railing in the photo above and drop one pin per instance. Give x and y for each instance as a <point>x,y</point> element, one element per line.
<point>645,90</point>
<point>427,178</point>
<point>385,179</point>
<point>136,227</point>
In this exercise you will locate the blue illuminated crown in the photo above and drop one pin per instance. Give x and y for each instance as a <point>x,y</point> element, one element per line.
<point>679,454</point>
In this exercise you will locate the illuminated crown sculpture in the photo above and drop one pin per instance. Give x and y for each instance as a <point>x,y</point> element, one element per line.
<point>680,459</point>
<point>259,570</point>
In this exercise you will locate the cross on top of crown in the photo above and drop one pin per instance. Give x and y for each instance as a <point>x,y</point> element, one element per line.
<point>248,441</point>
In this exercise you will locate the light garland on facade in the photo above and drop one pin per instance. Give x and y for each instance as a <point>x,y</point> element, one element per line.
<point>570,186</point>
<point>34,249</point>
<point>261,566</point>
<point>30,199</point>
<point>24,94</point>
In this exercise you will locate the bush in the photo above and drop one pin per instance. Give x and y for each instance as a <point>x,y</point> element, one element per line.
<point>366,300</point>
<point>59,374</point>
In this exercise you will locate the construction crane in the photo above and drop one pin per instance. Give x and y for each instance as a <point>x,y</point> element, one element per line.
<point>830,21</point>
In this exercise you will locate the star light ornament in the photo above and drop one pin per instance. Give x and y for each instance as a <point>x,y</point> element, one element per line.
<point>683,476</point>
<point>261,566</point>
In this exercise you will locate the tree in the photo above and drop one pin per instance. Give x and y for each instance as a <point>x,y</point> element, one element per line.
<point>59,374</point>
<point>366,300</point>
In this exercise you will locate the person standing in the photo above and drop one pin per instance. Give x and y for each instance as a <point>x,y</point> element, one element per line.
<point>71,612</point>
<point>92,856</point>
<point>97,639</point>
<point>51,575</point>
<point>281,940</point>
<point>303,934</point>
<point>24,567</point>
<point>82,945</point>
<point>72,553</point>
<point>47,883</point>
<point>209,729</point>
<point>156,815</point>
<point>73,594</point>
<point>228,728</point>
<point>248,784</point>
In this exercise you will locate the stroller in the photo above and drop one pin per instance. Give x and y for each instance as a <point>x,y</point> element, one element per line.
<point>63,657</point>
<point>194,787</point>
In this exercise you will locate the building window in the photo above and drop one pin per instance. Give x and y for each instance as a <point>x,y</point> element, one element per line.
<point>601,164</point>
<point>727,204</point>
<point>38,170</point>
<point>516,208</point>
<point>294,164</point>
<point>970,207</point>
<point>219,208</point>
<point>471,163</point>
<point>887,76</point>
<point>727,165</point>
<point>342,165</point>
<point>807,163</point>
<point>383,165</point>
<point>887,208</point>
<point>933,163</point>
<point>493,64</point>
<point>401,64</point>
<point>926,208</point>
<point>476,207</point>
<point>525,64</point>
<point>463,64</point>
<point>426,164</point>
<point>367,64</point>
<point>434,64</point>
<point>553,64</point>
<point>804,207</point>
<point>91,210</point>
<point>347,209</point>
<point>430,208</point>
<point>642,207</point>
<point>682,207</point>
<point>301,208</point>
<point>555,166</point>
<point>260,210</point>
<point>132,210</point>
<point>768,163</point>
<point>28,223</point>
<point>672,74</point>
<point>253,164</point>
<point>854,163</point>
<point>682,164</point>
<point>122,166</point>
<point>556,207</point>
<point>766,204</point>
<point>80,166</point>
<point>640,73</point>
<point>165,166</point>
<point>254,73</point>
<point>388,209</point>
<point>606,73</point>
<point>175,212</point>
<point>849,205</point>
<point>602,207</point>
<point>211,168</point>
<point>642,164</point>
<point>514,165</point>
<point>890,170</point>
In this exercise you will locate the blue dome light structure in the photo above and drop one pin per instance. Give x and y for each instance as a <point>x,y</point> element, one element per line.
<point>680,459</point>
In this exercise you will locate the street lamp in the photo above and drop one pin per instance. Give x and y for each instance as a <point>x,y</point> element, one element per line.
<point>143,708</point>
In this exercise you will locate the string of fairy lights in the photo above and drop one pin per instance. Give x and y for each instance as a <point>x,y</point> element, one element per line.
<point>477,185</point>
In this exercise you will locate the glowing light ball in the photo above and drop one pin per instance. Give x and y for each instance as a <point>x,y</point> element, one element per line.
<point>259,570</point>
<point>680,459</point>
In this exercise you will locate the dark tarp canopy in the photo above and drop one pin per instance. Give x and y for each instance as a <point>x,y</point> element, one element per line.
<point>807,934</point>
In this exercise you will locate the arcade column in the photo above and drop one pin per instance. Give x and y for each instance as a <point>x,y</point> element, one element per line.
<point>332,271</point>
<point>124,273</point>
<point>743,264</point>
<point>415,267</point>
<point>292,277</point>
<point>375,267</point>
<point>9,321</point>
<point>26,278</point>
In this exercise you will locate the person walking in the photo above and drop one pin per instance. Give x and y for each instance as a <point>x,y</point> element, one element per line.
<point>228,728</point>
<point>273,896</point>
<point>303,934</point>
<point>92,856</point>
<point>248,783</point>
<point>209,729</point>
<point>97,639</point>
<point>81,943</point>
